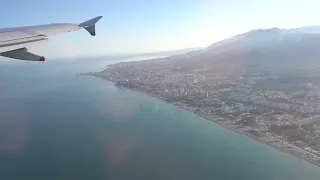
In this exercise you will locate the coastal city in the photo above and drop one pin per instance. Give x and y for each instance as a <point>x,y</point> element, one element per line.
<point>281,111</point>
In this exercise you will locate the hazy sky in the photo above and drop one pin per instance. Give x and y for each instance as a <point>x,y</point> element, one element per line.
<point>150,25</point>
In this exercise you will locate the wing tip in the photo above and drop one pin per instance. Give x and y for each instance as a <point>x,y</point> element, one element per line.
<point>90,25</point>
<point>90,22</point>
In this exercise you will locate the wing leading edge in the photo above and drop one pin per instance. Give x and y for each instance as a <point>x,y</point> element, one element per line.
<point>13,41</point>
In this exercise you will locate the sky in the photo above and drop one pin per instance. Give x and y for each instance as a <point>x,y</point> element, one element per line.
<point>137,26</point>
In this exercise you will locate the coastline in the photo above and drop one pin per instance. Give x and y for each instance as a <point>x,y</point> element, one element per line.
<point>246,131</point>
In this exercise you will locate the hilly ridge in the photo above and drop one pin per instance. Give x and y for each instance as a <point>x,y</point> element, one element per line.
<point>278,50</point>
<point>260,38</point>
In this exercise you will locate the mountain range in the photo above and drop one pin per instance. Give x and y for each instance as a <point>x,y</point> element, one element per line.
<point>260,38</point>
<point>276,49</point>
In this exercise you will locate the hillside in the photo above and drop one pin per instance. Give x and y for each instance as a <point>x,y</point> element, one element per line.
<point>275,50</point>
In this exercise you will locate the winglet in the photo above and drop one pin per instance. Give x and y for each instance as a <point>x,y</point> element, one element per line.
<point>90,25</point>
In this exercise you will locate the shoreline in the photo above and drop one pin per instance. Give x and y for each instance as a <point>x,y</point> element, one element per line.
<point>254,135</point>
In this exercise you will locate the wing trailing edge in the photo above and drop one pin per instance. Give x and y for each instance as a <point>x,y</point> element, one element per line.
<point>22,54</point>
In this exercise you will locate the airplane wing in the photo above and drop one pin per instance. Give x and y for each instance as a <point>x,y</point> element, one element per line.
<point>13,41</point>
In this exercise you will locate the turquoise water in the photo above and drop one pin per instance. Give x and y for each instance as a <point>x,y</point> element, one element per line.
<point>56,125</point>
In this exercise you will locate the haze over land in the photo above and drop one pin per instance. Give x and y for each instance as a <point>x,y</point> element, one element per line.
<point>264,83</point>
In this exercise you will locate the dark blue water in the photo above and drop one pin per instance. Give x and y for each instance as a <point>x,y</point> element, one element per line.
<point>55,125</point>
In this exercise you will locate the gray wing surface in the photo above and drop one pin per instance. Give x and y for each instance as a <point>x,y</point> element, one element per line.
<point>14,41</point>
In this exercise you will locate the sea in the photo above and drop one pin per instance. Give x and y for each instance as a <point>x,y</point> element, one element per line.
<point>57,125</point>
